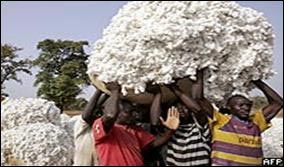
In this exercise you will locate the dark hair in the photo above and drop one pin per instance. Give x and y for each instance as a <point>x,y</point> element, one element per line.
<point>171,103</point>
<point>166,105</point>
<point>224,110</point>
<point>230,99</point>
<point>124,102</point>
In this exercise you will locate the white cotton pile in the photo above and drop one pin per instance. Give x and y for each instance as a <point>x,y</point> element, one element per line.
<point>40,144</point>
<point>23,111</point>
<point>273,139</point>
<point>158,41</point>
<point>34,133</point>
<point>4,150</point>
<point>68,123</point>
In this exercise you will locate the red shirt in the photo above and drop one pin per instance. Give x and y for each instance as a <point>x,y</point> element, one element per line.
<point>122,145</point>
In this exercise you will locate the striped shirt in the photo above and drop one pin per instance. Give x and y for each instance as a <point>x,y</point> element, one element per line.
<point>237,143</point>
<point>189,146</point>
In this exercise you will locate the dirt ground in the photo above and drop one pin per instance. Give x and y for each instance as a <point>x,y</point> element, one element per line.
<point>72,113</point>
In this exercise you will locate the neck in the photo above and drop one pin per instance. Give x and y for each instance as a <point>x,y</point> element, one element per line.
<point>186,121</point>
<point>242,119</point>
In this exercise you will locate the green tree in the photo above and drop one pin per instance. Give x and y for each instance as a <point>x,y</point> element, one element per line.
<point>62,72</point>
<point>11,65</point>
<point>79,104</point>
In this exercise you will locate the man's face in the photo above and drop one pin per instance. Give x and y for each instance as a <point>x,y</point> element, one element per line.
<point>126,115</point>
<point>141,113</point>
<point>240,107</point>
<point>183,112</point>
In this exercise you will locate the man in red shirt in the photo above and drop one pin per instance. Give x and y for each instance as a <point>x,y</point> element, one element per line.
<point>118,141</point>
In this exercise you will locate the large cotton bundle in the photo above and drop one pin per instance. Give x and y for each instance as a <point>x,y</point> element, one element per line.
<point>34,133</point>
<point>68,123</point>
<point>159,41</point>
<point>40,144</point>
<point>273,139</point>
<point>23,111</point>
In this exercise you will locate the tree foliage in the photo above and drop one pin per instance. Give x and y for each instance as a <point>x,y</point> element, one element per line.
<point>11,65</point>
<point>62,72</point>
<point>79,104</point>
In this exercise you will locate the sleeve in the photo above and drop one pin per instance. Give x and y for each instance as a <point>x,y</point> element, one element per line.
<point>80,127</point>
<point>144,137</point>
<point>259,119</point>
<point>218,118</point>
<point>98,130</point>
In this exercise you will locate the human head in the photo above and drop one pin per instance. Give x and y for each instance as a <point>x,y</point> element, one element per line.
<point>184,112</point>
<point>126,115</point>
<point>239,106</point>
<point>141,112</point>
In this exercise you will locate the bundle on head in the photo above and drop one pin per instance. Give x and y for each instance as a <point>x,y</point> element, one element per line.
<point>159,41</point>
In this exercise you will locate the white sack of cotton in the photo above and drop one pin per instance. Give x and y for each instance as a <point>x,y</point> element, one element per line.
<point>38,144</point>
<point>68,123</point>
<point>159,41</point>
<point>23,111</point>
<point>273,139</point>
<point>34,133</point>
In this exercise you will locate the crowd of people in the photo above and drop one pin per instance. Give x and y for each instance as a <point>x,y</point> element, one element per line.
<point>189,131</point>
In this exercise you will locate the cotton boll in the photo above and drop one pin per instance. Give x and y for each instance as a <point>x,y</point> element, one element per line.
<point>123,90</point>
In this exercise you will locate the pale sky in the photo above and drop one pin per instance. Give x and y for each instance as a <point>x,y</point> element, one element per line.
<point>24,24</point>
